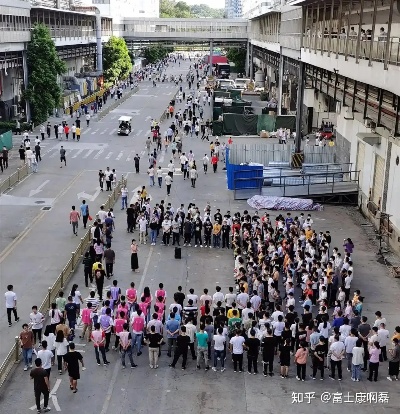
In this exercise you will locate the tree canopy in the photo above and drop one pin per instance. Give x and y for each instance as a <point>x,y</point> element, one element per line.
<point>238,57</point>
<point>180,9</point>
<point>44,66</point>
<point>156,52</point>
<point>117,63</point>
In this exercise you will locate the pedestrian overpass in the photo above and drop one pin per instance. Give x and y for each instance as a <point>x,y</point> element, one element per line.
<point>185,30</point>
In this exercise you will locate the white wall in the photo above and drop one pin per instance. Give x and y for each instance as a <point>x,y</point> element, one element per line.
<point>393,196</point>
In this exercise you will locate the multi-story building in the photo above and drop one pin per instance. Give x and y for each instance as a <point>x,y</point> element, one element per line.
<point>233,9</point>
<point>339,61</point>
<point>253,8</point>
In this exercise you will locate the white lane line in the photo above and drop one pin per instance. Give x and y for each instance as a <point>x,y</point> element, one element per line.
<point>113,131</point>
<point>83,131</point>
<point>98,154</point>
<point>119,156</point>
<point>88,154</point>
<point>78,153</point>
<point>108,156</point>
<point>139,132</point>
<point>142,153</point>
<point>130,155</point>
<point>54,154</point>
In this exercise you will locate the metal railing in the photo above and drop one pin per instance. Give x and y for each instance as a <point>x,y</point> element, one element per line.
<point>363,49</point>
<point>310,180</point>
<point>14,178</point>
<point>13,356</point>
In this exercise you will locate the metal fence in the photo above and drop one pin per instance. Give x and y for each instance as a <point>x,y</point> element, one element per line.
<point>14,178</point>
<point>271,153</point>
<point>13,357</point>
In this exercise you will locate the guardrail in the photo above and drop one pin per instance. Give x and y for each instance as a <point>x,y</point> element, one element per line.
<point>14,178</point>
<point>13,356</point>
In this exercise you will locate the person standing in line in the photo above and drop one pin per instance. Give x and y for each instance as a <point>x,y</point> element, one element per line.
<point>41,386</point>
<point>394,360</point>
<point>36,323</point>
<point>300,359</point>
<point>11,304</point>
<point>62,156</point>
<point>98,338</point>
<point>26,341</point>
<point>5,157</point>
<point>74,217</point>
<point>168,181</point>
<point>172,328</point>
<point>150,173</point>
<point>154,340</point>
<point>138,326</point>
<point>182,344</point>
<point>252,344</point>
<point>202,347</point>
<point>219,349</point>
<point>87,119</point>
<point>374,355</point>
<point>337,351</point>
<point>357,360</point>
<point>236,348</point>
<point>134,256</point>
<point>268,348</point>
<point>71,363</point>
<point>46,357</point>
<point>125,346</point>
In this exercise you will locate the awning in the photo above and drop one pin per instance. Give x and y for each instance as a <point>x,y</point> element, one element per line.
<point>370,138</point>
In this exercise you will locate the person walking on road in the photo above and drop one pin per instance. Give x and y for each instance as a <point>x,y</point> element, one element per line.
<point>159,173</point>
<point>99,276</point>
<point>62,156</point>
<point>206,161</point>
<point>11,304</point>
<point>137,160</point>
<point>214,162</point>
<point>193,176</point>
<point>37,152</point>
<point>168,181</point>
<point>41,386</point>
<point>124,197</point>
<point>87,120</point>
<point>84,213</point>
<point>74,217</point>
<point>26,341</point>
<point>71,363</point>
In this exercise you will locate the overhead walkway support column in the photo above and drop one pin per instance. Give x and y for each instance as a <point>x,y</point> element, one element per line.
<point>247,59</point>
<point>299,111</point>
<point>280,81</point>
<point>211,57</point>
<point>251,62</point>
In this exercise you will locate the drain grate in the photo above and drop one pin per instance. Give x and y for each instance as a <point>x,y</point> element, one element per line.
<point>46,208</point>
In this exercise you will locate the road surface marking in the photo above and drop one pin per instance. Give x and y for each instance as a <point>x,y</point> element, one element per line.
<point>88,154</point>
<point>78,153</point>
<point>98,154</point>
<point>119,156</point>
<point>108,156</point>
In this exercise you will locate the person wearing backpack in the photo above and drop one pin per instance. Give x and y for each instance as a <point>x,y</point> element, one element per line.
<point>138,323</point>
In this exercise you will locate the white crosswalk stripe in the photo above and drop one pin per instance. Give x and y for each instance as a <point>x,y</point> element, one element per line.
<point>78,153</point>
<point>108,156</point>
<point>119,156</point>
<point>88,154</point>
<point>97,156</point>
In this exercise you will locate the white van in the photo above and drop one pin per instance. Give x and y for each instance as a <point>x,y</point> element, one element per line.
<point>242,83</point>
<point>227,84</point>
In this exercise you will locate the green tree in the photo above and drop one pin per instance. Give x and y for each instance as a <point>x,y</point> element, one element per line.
<point>204,11</point>
<point>156,52</point>
<point>43,92</point>
<point>238,57</point>
<point>117,63</point>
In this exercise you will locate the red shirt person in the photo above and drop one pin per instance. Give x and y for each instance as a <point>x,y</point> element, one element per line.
<point>214,162</point>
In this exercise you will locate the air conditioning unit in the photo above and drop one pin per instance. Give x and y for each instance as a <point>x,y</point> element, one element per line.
<point>15,110</point>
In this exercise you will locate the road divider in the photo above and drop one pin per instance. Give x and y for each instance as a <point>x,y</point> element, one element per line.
<point>14,178</point>
<point>14,355</point>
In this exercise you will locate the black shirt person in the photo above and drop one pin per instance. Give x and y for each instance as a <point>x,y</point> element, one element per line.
<point>182,343</point>
<point>40,385</point>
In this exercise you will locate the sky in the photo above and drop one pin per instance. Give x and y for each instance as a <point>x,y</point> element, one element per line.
<point>217,4</point>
